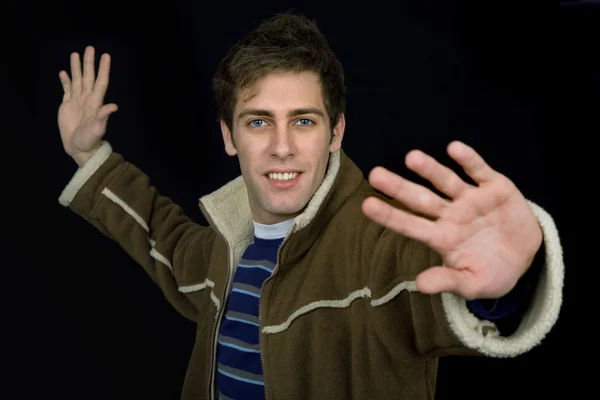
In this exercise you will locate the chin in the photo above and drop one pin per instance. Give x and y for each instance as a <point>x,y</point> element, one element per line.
<point>291,211</point>
<point>286,209</point>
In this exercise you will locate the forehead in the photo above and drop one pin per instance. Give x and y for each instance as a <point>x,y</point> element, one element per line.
<point>283,91</point>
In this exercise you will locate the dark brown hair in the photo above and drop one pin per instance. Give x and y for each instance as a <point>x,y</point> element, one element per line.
<point>285,42</point>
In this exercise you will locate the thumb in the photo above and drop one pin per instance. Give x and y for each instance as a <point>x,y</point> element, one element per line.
<point>105,111</point>
<point>445,279</point>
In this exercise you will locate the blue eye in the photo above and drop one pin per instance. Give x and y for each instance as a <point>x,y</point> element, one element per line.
<point>256,123</point>
<point>304,121</point>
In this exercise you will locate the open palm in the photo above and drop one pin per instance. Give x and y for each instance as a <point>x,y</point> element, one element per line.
<point>82,116</point>
<point>486,233</point>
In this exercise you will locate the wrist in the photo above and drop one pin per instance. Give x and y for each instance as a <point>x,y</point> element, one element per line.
<point>81,157</point>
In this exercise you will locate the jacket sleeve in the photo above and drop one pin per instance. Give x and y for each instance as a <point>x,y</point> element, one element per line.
<point>116,197</point>
<point>507,312</point>
<point>444,324</point>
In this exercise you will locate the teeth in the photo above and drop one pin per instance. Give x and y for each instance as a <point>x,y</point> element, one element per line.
<point>283,177</point>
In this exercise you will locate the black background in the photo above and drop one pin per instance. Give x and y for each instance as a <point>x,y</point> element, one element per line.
<point>519,82</point>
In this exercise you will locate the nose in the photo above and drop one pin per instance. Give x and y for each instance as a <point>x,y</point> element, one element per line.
<point>282,143</point>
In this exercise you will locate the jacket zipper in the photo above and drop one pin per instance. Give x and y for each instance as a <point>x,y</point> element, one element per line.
<point>214,335</point>
<point>260,342</point>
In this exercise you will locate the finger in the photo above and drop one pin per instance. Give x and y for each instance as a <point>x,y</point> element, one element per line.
<point>447,280</point>
<point>106,110</point>
<point>88,70</point>
<point>473,164</point>
<point>66,84</point>
<point>397,220</point>
<point>75,74</point>
<point>103,76</point>
<point>415,196</point>
<point>442,177</point>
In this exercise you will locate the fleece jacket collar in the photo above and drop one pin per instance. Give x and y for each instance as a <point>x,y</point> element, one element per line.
<point>228,209</point>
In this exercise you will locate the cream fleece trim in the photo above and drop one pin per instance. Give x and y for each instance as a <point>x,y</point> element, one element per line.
<point>230,210</point>
<point>341,303</point>
<point>539,319</point>
<point>153,252</point>
<point>410,286</point>
<point>315,202</point>
<point>159,257</point>
<point>116,199</point>
<point>201,286</point>
<point>84,173</point>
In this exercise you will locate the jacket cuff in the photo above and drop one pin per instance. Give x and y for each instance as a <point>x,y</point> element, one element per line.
<point>84,173</point>
<point>537,321</point>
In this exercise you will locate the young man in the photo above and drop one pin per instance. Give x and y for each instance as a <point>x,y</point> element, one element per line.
<point>308,283</point>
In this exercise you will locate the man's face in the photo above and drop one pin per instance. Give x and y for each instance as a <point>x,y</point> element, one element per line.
<point>283,141</point>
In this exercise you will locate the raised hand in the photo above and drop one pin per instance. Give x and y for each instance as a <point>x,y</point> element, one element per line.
<point>486,234</point>
<point>82,116</point>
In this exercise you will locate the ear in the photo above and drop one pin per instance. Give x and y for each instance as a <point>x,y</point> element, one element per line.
<point>338,134</point>
<point>228,139</point>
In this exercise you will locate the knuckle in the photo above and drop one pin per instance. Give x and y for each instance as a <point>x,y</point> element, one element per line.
<point>398,189</point>
<point>425,200</point>
<point>454,183</point>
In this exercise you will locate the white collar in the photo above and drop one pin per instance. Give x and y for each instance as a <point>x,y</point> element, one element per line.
<point>273,231</point>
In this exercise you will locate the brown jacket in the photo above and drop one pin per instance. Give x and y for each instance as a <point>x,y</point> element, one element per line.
<point>340,316</point>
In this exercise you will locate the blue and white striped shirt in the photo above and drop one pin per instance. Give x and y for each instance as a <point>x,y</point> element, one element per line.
<point>239,365</point>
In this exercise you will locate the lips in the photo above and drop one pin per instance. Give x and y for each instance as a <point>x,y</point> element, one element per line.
<point>283,180</point>
<point>282,176</point>
<point>282,171</point>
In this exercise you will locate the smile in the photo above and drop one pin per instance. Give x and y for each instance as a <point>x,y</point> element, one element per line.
<point>278,176</point>
<point>283,181</point>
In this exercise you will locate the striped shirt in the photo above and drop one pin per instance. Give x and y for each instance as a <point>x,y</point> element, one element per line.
<point>239,365</point>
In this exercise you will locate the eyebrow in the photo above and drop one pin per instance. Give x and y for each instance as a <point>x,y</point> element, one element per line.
<point>292,113</point>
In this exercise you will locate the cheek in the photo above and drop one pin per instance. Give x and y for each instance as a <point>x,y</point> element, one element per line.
<point>252,149</point>
<point>321,154</point>
<point>316,146</point>
<point>251,160</point>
